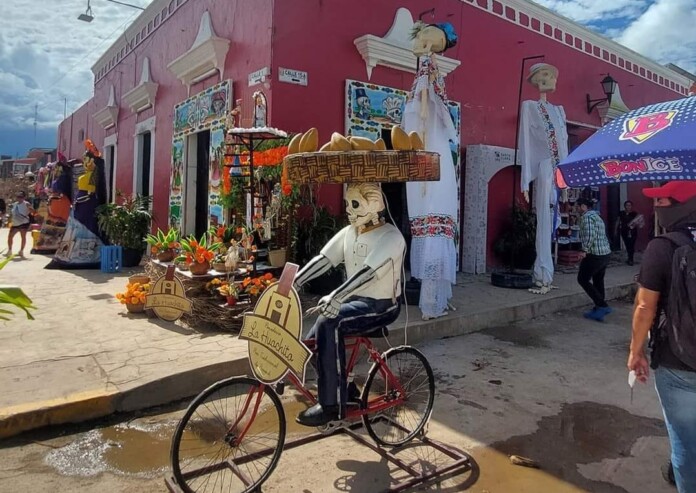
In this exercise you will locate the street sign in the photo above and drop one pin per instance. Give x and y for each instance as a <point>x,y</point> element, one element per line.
<point>292,76</point>
<point>259,76</point>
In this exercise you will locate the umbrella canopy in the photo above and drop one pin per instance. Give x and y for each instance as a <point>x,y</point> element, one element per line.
<point>656,142</point>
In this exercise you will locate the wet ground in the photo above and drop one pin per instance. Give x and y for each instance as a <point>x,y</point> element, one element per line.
<point>552,390</point>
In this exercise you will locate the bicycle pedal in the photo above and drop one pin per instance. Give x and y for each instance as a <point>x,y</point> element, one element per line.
<point>280,387</point>
<point>333,426</point>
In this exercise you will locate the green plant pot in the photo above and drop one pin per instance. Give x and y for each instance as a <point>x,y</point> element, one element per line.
<point>132,257</point>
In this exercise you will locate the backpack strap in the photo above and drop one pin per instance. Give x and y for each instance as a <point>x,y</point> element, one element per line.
<point>679,239</point>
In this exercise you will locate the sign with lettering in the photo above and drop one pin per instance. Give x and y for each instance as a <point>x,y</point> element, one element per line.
<point>292,76</point>
<point>274,331</point>
<point>167,298</point>
<point>259,76</point>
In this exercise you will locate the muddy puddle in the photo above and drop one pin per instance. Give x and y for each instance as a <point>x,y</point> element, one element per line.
<point>141,448</point>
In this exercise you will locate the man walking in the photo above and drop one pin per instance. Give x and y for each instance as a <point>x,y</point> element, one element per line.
<point>665,306</point>
<point>596,252</point>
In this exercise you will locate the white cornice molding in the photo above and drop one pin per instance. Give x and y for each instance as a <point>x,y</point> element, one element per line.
<point>205,57</point>
<point>154,15</point>
<point>108,116</point>
<point>142,96</point>
<point>567,26</point>
<point>394,50</point>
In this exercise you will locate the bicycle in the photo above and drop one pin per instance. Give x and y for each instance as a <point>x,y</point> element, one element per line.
<point>212,448</point>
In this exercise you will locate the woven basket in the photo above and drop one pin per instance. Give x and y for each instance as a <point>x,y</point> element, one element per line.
<point>363,166</point>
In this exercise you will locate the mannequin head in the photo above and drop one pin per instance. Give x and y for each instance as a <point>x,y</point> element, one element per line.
<point>432,38</point>
<point>543,76</point>
<point>364,204</point>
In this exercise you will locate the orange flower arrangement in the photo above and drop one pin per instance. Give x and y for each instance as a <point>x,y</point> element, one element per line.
<point>256,285</point>
<point>197,251</point>
<point>135,294</point>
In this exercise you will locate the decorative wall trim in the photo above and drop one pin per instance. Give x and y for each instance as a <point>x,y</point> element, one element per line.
<point>394,49</point>
<point>108,116</point>
<point>142,96</point>
<point>140,128</point>
<point>205,57</point>
<point>615,109</point>
<point>482,164</point>
<point>156,14</point>
<point>546,23</point>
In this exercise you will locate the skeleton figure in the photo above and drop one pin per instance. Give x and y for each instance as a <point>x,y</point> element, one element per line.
<point>373,253</point>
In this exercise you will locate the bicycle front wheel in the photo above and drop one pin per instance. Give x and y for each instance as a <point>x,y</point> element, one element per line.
<point>400,422</point>
<point>230,438</point>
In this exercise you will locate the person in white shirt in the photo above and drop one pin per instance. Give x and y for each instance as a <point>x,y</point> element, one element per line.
<point>373,253</point>
<point>20,214</point>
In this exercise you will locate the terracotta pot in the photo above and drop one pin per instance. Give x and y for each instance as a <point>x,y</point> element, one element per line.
<point>166,255</point>
<point>277,258</point>
<point>135,308</point>
<point>231,300</point>
<point>220,266</point>
<point>139,278</point>
<point>199,269</point>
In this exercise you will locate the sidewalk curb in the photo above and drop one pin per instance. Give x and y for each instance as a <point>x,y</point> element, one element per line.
<point>89,405</point>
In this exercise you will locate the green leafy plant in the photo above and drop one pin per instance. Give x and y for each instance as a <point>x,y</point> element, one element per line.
<point>199,251</point>
<point>126,223</point>
<point>161,241</point>
<point>516,246</point>
<point>14,296</point>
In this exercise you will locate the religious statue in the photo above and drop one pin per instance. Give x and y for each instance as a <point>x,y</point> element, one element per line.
<point>543,144</point>
<point>373,252</point>
<point>432,206</point>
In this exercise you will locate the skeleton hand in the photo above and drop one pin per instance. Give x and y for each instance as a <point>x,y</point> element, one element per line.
<point>329,307</point>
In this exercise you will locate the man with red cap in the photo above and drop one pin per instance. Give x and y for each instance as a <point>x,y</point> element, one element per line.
<point>667,311</point>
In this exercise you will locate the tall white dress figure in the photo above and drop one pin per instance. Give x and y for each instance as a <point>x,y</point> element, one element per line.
<point>432,206</point>
<point>543,144</point>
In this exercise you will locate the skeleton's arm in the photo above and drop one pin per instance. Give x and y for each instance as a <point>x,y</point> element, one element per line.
<point>316,267</point>
<point>331,304</point>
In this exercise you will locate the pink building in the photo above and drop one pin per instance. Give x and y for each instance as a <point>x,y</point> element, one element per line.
<point>161,89</point>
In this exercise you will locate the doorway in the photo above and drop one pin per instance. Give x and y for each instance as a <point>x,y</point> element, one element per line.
<point>614,207</point>
<point>110,161</point>
<point>144,181</point>
<point>202,158</point>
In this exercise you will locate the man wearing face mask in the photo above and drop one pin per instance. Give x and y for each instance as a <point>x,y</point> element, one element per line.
<point>665,307</point>
<point>373,253</point>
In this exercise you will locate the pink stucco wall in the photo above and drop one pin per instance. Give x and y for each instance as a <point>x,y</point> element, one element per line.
<point>317,37</point>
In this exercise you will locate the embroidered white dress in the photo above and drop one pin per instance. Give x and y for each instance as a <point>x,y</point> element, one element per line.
<point>543,144</point>
<point>432,206</point>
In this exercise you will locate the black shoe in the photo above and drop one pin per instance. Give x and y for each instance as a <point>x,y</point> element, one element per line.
<point>317,415</point>
<point>668,473</point>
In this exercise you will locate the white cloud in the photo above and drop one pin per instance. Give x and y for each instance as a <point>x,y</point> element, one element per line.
<point>46,55</point>
<point>593,11</point>
<point>665,32</point>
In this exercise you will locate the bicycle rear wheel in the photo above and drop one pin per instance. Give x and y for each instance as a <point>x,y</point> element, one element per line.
<point>230,438</point>
<point>400,423</point>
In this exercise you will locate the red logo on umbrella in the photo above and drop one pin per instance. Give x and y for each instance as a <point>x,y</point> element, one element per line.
<point>642,128</point>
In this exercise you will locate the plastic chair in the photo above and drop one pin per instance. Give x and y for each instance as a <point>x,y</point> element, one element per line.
<point>111,258</point>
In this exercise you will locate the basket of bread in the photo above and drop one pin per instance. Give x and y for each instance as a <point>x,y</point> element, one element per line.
<point>360,160</point>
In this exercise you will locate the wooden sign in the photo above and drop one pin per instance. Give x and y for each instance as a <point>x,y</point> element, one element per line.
<point>167,297</point>
<point>274,331</point>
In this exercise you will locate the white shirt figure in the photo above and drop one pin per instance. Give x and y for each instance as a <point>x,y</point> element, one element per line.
<point>543,143</point>
<point>20,213</point>
<point>381,249</point>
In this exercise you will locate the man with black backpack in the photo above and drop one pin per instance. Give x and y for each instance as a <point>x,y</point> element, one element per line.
<point>665,307</point>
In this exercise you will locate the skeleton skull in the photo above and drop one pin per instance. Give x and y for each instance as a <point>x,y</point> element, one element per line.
<point>364,203</point>
<point>545,79</point>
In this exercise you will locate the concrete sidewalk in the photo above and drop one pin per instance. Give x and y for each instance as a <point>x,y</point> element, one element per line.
<point>85,357</point>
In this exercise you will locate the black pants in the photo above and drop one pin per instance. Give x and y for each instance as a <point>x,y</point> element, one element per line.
<point>591,277</point>
<point>630,242</point>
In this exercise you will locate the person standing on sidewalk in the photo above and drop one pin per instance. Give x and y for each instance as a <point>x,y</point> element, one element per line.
<point>665,307</point>
<point>20,215</point>
<point>629,222</point>
<point>596,252</point>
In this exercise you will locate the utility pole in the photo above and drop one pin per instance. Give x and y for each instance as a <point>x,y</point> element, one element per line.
<point>36,112</point>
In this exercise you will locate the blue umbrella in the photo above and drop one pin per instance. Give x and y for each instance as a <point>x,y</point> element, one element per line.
<point>656,142</point>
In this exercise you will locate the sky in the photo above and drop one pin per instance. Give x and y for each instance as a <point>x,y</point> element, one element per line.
<point>46,53</point>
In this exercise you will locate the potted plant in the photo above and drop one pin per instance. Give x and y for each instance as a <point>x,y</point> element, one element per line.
<point>197,254</point>
<point>254,286</point>
<point>516,247</point>
<point>311,234</point>
<point>230,291</point>
<point>134,296</point>
<point>164,245</point>
<point>127,224</point>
